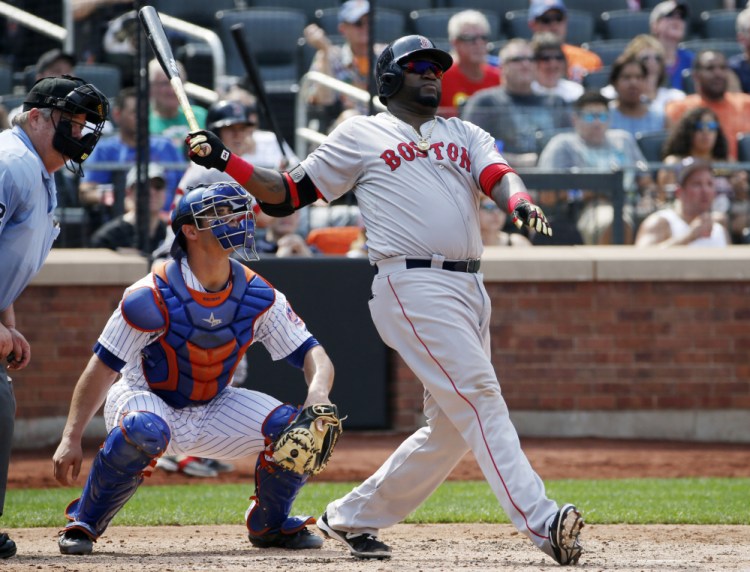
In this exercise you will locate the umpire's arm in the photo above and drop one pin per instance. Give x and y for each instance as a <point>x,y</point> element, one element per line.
<point>88,396</point>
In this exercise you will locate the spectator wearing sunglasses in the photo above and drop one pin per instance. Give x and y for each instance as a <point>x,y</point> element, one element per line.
<point>698,134</point>
<point>348,61</point>
<point>648,50</point>
<point>119,233</point>
<point>584,216</point>
<point>512,113</point>
<point>712,75</point>
<point>468,33</point>
<point>552,16</point>
<point>668,24</point>
<point>492,225</point>
<point>551,65</point>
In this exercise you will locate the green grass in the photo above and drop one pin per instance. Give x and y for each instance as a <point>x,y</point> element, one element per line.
<point>634,501</point>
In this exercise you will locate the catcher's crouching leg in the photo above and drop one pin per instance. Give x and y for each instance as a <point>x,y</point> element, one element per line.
<point>268,522</point>
<point>116,472</point>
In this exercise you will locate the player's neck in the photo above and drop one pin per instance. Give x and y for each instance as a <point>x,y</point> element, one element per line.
<point>414,117</point>
<point>212,271</point>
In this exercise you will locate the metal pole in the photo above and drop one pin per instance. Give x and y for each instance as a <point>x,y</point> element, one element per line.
<point>371,54</point>
<point>142,150</point>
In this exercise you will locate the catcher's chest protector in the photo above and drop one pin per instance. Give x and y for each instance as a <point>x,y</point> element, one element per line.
<point>207,333</point>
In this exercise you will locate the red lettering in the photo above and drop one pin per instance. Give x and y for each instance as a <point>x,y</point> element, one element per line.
<point>452,151</point>
<point>391,159</point>
<point>465,161</point>
<point>406,151</point>
<point>437,148</point>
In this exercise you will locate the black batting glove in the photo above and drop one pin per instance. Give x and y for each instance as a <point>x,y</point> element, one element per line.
<point>532,216</point>
<point>206,149</point>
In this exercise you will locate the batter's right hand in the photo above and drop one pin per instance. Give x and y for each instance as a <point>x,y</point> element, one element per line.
<point>69,455</point>
<point>532,216</point>
<point>206,149</point>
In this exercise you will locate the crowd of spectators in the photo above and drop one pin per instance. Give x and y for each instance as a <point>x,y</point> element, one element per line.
<point>533,95</point>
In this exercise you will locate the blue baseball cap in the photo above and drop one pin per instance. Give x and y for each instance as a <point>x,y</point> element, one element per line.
<point>540,7</point>
<point>352,10</point>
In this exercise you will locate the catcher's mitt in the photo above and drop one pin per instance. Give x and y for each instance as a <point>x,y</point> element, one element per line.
<point>306,444</point>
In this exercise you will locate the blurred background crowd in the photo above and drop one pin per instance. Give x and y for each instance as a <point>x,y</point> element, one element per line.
<point>657,90</point>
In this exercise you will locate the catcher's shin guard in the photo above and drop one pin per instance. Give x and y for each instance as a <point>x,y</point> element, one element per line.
<point>117,471</point>
<point>275,488</point>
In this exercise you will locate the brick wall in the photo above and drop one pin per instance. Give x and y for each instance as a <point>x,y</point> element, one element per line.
<point>611,346</point>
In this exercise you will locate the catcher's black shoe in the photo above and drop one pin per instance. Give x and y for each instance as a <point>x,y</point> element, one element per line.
<point>300,540</point>
<point>360,545</point>
<point>75,541</point>
<point>7,546</point>
<point>563,535</point>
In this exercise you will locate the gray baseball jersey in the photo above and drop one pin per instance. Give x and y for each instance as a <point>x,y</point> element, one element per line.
<point>412,202</point>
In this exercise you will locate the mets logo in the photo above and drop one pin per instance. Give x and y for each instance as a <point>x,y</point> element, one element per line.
<point>424,42</point>
<point>293,318</point>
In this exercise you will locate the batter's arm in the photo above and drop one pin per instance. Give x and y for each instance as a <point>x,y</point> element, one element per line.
<point>88,396</point>
<point>511,193</point>
<point>279,194</point>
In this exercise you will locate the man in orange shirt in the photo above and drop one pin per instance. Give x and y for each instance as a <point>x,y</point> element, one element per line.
<point>468,32</point>
<point>552,16</point>
<point>711,77</point>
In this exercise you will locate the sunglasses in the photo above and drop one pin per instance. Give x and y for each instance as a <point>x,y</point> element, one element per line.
<point>706,125</point>
<point>517,59</point>
<point>550,18</point>
<point>421,67</point>
<point>489,207</point>
<point>590,117</point>
<point>550,58</point>
<point>361,23</point>
<point>469,39</point>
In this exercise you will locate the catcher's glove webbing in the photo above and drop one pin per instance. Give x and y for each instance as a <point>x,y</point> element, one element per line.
<point>306,444</point>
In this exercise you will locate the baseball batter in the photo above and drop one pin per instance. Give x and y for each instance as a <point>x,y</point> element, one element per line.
<point>176,339</point>
<point>59,125</point>
<point>418,180</point>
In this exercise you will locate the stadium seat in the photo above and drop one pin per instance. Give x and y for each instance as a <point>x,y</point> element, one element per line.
<point>580,27</point>
<point>106,77</point>
<point>743,147</point>
<point>307,6</point>
<point>434,23</point>
<point>651,144</point>
<point>688,85</point>
<point>516,24</point>
<point>597,79</point>
<point>726,47</point>
<point>6,79</point>
<point>273,37</point>
<point>333,239</point>
<point>389,24</point>
<point>623,24</point>
<point>607,50</point>
<point>596,7</point>
<point>718,24</point>
<point>199,12</point>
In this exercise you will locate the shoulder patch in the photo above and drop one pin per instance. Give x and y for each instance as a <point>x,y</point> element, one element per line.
<point>143,309</point>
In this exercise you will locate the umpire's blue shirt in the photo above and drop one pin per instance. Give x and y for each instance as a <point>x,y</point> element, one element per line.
<point>28,198</point>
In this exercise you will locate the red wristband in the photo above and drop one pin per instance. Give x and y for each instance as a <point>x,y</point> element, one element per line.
<point>239,169</point>
<point>517,198</point>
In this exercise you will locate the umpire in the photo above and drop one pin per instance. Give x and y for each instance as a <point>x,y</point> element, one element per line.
<point>60,124</point>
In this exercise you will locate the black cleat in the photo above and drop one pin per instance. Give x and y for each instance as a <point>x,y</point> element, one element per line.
<point>75,541</point>
<point>300,540</point>
<point>7,546</point>
<point>563,535</point>
<point>361,545</point>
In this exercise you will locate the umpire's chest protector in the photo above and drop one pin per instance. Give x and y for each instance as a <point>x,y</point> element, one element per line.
<point>205,333</point>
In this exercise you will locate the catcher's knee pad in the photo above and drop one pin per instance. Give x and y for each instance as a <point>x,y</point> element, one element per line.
<point>118,470</point>
<point>277,420</point>
<point>275,491</point>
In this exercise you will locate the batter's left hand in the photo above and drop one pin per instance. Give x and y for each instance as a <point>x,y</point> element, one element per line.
<point>532,216</point>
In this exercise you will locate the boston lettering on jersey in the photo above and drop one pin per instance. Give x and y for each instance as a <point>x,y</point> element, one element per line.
<point>410,152</point>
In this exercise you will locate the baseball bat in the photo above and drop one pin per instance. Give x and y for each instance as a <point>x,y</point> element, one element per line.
<point>163,52</point>
<point>238,35</point>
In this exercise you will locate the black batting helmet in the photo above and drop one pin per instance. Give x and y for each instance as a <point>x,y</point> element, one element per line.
<point>225,113</point>
<point>389,74</point>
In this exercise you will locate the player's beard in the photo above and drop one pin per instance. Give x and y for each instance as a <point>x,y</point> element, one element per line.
<point>427,100</point>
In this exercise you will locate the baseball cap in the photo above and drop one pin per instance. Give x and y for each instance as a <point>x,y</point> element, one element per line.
<point>155,171</point>
<point>352,10</point>
<point>48,90</point>
<point>663,9</point>
<point>690,165</point>
<point>50,57</point>
<point>539,7</point>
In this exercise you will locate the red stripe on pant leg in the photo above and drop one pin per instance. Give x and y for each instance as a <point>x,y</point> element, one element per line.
<point>476,413</point>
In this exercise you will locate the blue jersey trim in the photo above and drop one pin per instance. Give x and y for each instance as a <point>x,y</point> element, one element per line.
<point>110,359</point>
<point>297,357</point>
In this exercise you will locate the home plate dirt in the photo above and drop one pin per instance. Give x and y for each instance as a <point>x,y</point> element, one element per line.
<point>427,548</point>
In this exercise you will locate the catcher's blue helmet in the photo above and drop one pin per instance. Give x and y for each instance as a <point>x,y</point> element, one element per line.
<point>389,75</point>
<point>224,208</point>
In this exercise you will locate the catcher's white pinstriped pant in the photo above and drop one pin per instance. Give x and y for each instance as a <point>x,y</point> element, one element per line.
<point>228,427</point>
